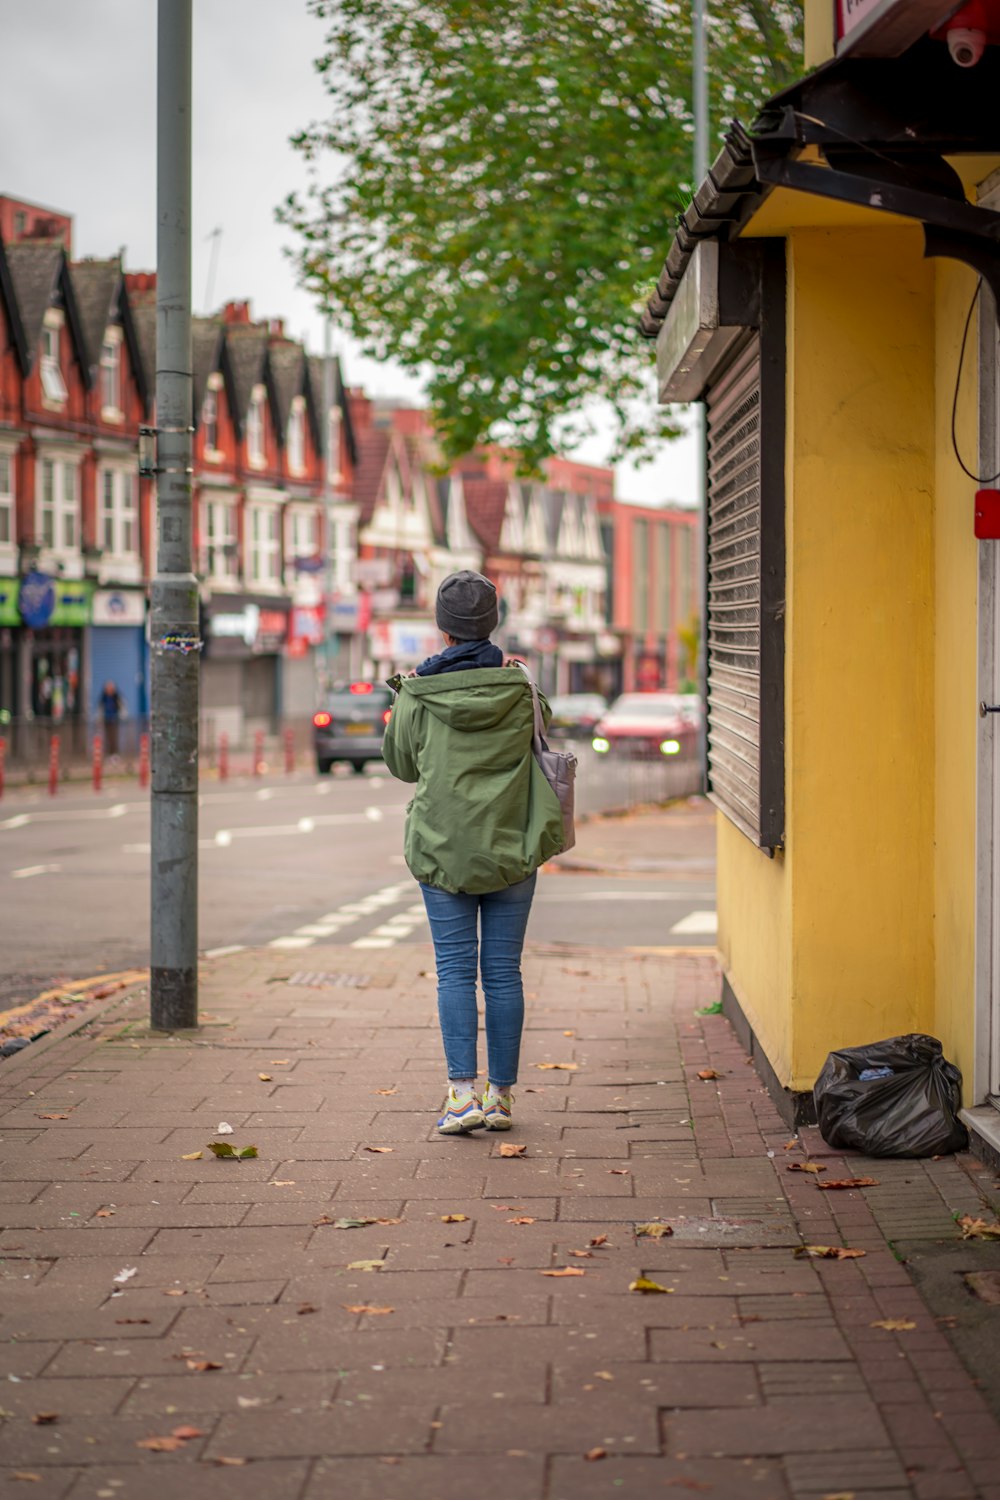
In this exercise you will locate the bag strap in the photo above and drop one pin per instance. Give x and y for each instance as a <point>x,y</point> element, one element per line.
<point>537,740</point>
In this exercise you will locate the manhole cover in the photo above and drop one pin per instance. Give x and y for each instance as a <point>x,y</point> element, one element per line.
<point>329,981</point>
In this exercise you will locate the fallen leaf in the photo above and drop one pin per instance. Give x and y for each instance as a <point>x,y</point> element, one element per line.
<point>27,1476</point>
<point>566,1271</point>
<point>522,1219</point>
<point>386,1093</point>
<point>161,1444</point>
<point>619,1172</point>
<point>978,1229</point>
<point>279,1062</point>
<point>126,1274</point>
<point>509,1149</point>
<point>893,1325</point>
<point>643,1284</point>
<point>454,1218</point>
<point>557,1067</point>
<point>228,1463</point>
<point>186,1433</point>
<point>131,1320</point>
<point>380,1150</point>
<point>598,1239</point>
<point>45,1418</point>
<point>829,1252</point>
<point>842,1183</point>
<point>105,1213</point>
<point>581,1254</point>
<point>653,1231</point>
<point>603,1375</point>
<point>506,1208</point>
<point>593,1454</point>
<point>192,1156</point>
<point>174,1291</point>
<point>264,1077</point>
<point>224,1149</point>
<point>708,1073</point>
<point>282,1182</point>
<point>365,1265</point>
<point>305,1310</point>
<point>804,1166</point>
<point>790,1145</point>
<point>202,1366</point>
<point>224,1128</point>
<point>364,1307</point>
<point>248,1401</point>
<point>52,1117</point>
<point>569,1033</point>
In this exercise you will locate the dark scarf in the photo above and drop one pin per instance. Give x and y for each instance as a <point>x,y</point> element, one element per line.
<point>461,658</point>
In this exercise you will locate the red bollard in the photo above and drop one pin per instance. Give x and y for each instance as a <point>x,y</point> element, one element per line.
<point>223,756</point>
<point>97,769</point>
<point>144,760</point>
<point>53,765</point>
<point>289,751</point>
<point>258,751</point>
<point>3,763</point>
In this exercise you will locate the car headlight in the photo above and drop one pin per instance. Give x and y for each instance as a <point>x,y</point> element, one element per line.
<point>601,746</point>
<point>670,747</point>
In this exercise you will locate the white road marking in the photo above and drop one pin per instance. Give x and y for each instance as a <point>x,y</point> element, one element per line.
<point>317,929</point>
<point>290,942</point>
<point>29,870</point>
<point>372,942</point>
<point>322,789</point>
<point>265,794</point>
<point>18,822</point>
<point>225,952</point>
<point>705,922</point>
<point>118,811</point>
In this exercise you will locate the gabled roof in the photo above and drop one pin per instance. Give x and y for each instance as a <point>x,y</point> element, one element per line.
<point>246,346</point>
<point>369,469</point>
<point>485,508</point>
<point>314,365</point>
<point>95,287</point>
<point>289,376</point>
<point>35,268</point>
<point>206,338</point>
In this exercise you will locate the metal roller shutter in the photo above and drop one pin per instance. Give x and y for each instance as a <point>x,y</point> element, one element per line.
<point>734,598</point>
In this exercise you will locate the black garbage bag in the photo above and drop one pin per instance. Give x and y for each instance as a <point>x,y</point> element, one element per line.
<point>912,1110</point>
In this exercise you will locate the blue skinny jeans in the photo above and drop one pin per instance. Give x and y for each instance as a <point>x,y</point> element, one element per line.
<point>470,932</point>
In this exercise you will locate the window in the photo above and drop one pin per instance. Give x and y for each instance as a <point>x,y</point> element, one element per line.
<point>53,385</point>
<point>111,377</point>
<point>640,575</point>
<point>58,505</point>
<point>297,436</point>
<point>255,429</point>
<point>6,498</point>
<point>210,422</point>
<point>664,583</point>
<point>304,534</point>
<point>220,546</point>
<point>333,445</point>
<point>119,511</point>
<point>265,544</point>
<point>20,223</point>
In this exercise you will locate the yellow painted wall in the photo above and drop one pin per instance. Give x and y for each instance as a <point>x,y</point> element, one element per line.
<point>818,31</point>
<point>955,658</point>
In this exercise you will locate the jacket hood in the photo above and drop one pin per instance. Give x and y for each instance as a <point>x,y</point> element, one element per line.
<point>480,698</point>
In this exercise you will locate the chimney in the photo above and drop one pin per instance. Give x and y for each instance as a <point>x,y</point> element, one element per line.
<point>236,312</point>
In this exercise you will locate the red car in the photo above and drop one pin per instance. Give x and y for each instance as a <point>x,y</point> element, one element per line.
<point>649,724</point>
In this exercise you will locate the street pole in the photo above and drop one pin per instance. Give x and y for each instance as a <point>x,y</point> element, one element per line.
<point>174,630</point>
<point>699,90</point>
<point>329,458</point>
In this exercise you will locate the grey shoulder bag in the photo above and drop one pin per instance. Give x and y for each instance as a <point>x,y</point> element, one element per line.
<point>558,768</point>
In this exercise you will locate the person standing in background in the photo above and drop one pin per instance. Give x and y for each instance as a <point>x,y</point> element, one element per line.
<point>111,711</point>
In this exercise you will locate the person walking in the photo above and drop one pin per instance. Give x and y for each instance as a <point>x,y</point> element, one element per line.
<point>111,712</point>
<point>482,819</point>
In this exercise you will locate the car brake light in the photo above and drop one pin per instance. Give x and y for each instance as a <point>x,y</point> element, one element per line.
<point>361,687</point>
<point>387,716</point>
<point>322,719</point>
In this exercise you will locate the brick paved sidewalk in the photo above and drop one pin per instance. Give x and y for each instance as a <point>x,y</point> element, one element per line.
<point>432,1353</point>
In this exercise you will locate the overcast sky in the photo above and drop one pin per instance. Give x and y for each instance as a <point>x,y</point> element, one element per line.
<point>78,133</point>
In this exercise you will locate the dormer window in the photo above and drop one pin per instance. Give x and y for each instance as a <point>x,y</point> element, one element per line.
<point>297,436</point>
<point>111,374</point>
<point>255,429</point>
<point>53,385</point>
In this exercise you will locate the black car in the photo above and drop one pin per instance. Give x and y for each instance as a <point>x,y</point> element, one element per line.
<point>350,725</point>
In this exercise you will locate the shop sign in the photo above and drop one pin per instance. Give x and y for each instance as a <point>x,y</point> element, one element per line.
<point>9,612</point>
<point>119,607</point>
<point>272,629</point>
<point>238,625</point>
<point>36,600</point>
<point>404,640</point>
<point>546,639</point>
<point>307,627</point>
<point>73,601</point>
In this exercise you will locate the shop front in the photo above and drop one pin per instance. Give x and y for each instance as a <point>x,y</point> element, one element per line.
<point>241,680</point>
<point>119,655</point>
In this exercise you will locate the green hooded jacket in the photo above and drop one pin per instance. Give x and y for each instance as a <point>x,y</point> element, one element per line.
<point>483,816</point>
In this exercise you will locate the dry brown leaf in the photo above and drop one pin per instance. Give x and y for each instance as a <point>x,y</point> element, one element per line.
<point>202,1366</point>
<point>175,1291</point>
<point>581,1254</point>
<point>804,1166</point>
<point>603,1375</point>
<point>161,1444</point>
<point>27,1476</point>
<point>619,1172</point>
<point>706,1074</point>
<point>557,1067</point>
<point>509,1149</point>
<point>829,1252</point>
<point>569,1033</point>
<point>644,1284</point>
<point>454,1218</point>
<point>365,1265</point>
<point>279,1062</point>
<point>52,1117</point>
<point>264,1077</point>
<point>45,1418</point>
<point>522,1219</point>
<point>365,1307</point>
<point>978,1229</point>
<point>186,1433</point>
<point>566,1271</point>
<point>387,1221</point>
<point>790,1145</point>
<point>593,1454</point>
<point>380,1150</point>
<point>192,1156</point>
<point>223,1462</point>
<point>598,1239</point>
<point>306,1309</point>
<point>506,1208</point>
<point>282,1182</point>
<point>386,1093</point>
<point>893,1325</point>
<point>105,1213</point>
<point>843,1183</point>
<point>654,1231</point>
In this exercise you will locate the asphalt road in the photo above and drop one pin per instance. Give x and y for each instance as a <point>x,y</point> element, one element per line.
<point>289,863</point>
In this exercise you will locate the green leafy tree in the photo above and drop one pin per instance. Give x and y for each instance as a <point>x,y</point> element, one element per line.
<point>494,191</point>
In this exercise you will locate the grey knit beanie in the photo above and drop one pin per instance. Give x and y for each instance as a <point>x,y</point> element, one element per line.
<point>466,606</point>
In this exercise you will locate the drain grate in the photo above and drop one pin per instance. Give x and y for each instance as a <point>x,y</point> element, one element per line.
<point>312,981</point>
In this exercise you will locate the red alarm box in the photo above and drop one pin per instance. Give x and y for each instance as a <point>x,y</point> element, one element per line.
<point>987,525</point>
